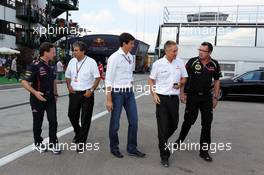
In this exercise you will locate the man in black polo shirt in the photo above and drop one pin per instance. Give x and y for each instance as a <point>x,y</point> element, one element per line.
<point>43,95</point>
<point>198,95</point>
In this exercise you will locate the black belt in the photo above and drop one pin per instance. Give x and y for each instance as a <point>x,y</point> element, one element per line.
<point>122,89</point>
<point>201,93</point>
<point>170,96</point>
<point>81,92</point>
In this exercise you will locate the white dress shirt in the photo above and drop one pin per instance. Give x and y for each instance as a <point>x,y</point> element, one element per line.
<point>87,73</point>
<point>119,71</point>
<point>166,74</point>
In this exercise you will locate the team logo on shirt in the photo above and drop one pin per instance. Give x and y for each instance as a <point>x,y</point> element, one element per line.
<point>198,67</point>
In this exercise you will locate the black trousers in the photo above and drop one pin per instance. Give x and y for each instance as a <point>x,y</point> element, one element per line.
<point>78,103</point>
<point>193,105</point>
<point>38,109</point>
<point>167,113</point>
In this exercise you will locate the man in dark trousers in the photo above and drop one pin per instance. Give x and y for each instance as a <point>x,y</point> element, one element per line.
<point>82,78</point>
<point>168,74</point>
<point>198,95</point>
<point>43,96</point>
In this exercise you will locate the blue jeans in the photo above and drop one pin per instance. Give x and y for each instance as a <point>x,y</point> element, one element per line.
<point>126,99</point>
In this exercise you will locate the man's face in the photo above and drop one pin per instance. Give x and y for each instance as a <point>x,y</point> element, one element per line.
<point>204,52</point>
<point>77,53</point>
<point>51,54</point>
<point>172,52</point>
<point>129,46</point>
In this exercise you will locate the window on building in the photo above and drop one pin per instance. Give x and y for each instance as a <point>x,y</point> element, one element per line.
<point>236,37</point>
<point>197,35</point>
<point>227,67</point>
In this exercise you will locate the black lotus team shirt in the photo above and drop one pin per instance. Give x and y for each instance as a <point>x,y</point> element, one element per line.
<point>42,76</point>
<point>200,76</point>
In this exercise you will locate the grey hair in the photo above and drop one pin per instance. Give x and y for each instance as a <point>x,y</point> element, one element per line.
<point>168,44</point>
<point>82,46</point>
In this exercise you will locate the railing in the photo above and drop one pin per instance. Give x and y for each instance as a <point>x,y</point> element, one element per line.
<point>74,3</point>
<point>214,14</point>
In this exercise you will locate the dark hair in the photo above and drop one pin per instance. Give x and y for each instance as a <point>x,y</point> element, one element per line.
<point>82,46</point>
<point>45,47</point>
<point>125,38</point>
<point>169,43</point>
<point>209,45</point>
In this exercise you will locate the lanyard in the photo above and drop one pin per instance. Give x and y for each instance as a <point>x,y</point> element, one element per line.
<point>78,69</point>
<point>127,59</point>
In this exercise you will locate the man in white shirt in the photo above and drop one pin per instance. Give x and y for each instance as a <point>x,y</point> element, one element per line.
<point>169,75</point>
<point>119,91</point>
<point>82,78</point>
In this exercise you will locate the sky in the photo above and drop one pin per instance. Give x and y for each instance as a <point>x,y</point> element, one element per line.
<point>141,18</point>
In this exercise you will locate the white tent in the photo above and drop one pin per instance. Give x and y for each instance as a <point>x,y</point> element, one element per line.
<point>8,51</point>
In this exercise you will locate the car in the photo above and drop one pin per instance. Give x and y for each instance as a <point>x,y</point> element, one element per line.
<point>249,84</point>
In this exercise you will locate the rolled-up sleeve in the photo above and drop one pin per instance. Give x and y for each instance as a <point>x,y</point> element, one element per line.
<point>96,73</point>
<point>30,73</point>
<point>153,72</point>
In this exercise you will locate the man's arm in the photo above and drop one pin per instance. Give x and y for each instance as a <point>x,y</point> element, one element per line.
<point>88,93</point>
<point>216,92</point>
<point>70,89</point>
<point>152,83</point>
<point>29,88</point>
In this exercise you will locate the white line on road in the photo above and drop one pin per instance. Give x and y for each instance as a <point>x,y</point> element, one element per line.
<point>21,152</point>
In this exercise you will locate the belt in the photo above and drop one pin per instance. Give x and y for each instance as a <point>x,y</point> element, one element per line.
<point>81,92</point>
<point>122,89</point>
<point>201,93</point>
<point>170,96</point>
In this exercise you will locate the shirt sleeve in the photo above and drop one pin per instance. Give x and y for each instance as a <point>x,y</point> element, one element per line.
<point>153,72</point>
<point>110,72</point>
<point>68,71</point>
<point>96,73</point>
<point>31,73</point>
<point>188,66</point>
<point>217,74</point>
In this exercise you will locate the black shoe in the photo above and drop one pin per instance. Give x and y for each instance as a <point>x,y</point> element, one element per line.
<point>137,154</point>
<point>80,148</point>
<point>206,157</point>
<point>117,154</point>
<point>165,163</point>
<point>40,147</point>
<point>54,148</point>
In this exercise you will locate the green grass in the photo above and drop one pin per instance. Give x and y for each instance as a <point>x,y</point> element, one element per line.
<point>4,80</point>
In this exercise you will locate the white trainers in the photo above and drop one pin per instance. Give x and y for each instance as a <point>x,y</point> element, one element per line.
<point>54,148</point>
<point>40,147</point>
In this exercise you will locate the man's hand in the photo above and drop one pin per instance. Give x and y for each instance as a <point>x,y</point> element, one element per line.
<point>215,101</point>
<point>109,105</point>
<point>177,85</point>
<point>70,89</point>
<point>183,98</point>
<point>39,96</point>
<point>88,93</point>
<point>156,98</point>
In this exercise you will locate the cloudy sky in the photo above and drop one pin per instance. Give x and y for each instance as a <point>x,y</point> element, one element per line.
<point>139,17</point>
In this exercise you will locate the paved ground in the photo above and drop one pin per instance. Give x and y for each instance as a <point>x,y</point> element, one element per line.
<point>238,123</point>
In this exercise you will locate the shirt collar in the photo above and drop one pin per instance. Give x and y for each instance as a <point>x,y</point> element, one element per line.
<point>121,52</point>
<point>167,61</point>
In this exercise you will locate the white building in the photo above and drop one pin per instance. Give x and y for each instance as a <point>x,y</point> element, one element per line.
<point>237,33</point>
